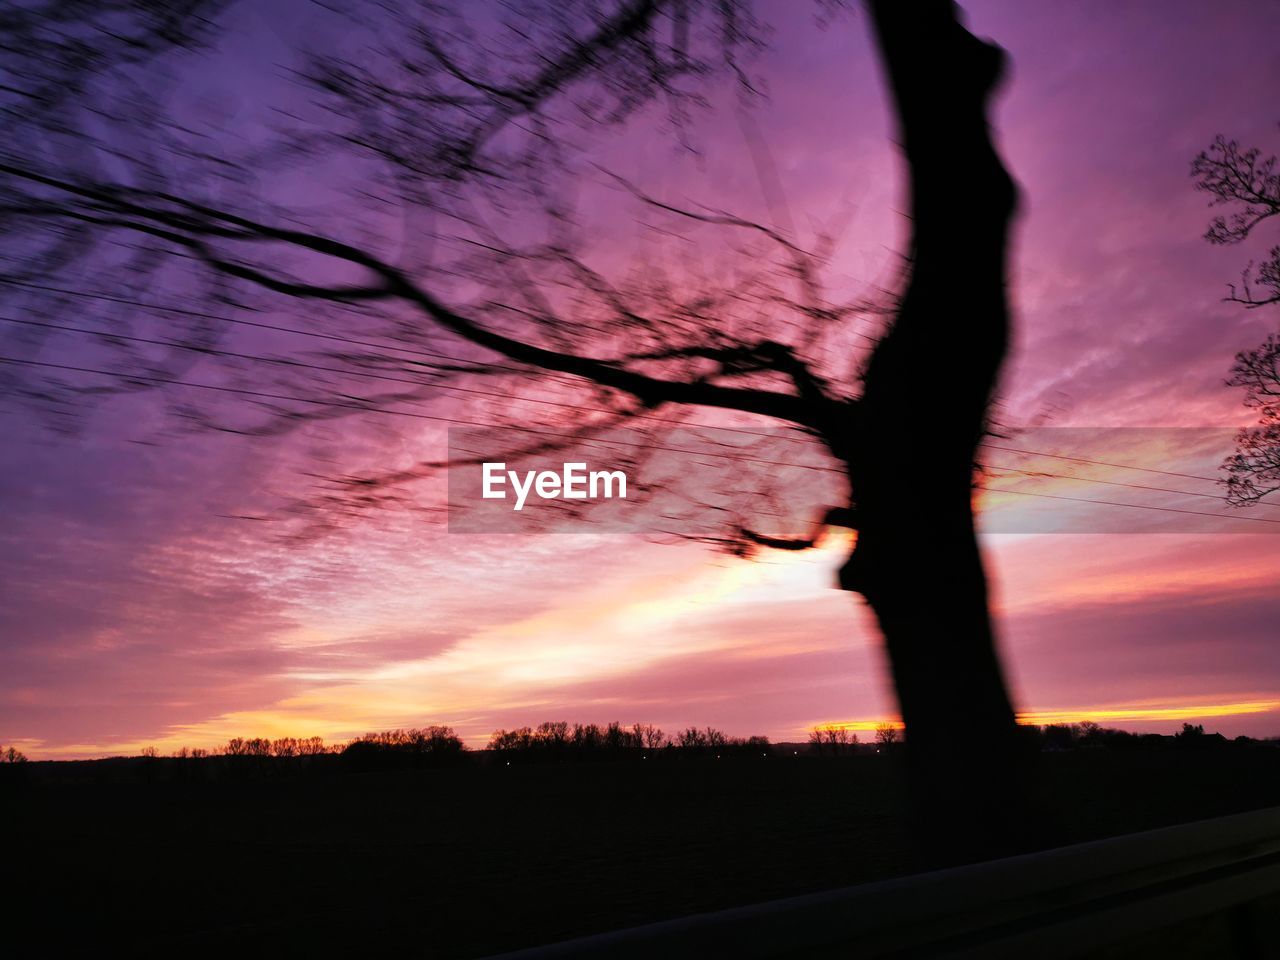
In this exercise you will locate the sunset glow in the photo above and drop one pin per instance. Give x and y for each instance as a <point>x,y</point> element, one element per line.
<point>147,600</point>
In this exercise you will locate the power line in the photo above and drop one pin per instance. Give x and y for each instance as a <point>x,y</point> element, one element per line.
<point>1115,483</point>
<point>473,365</point>
<point>495,394</point>
<point>366,407</point>
<point>200,314</point>
<point>476,365</point>
<point>1104,463</point>
<point>346,372</point>
<point>1136,506</point>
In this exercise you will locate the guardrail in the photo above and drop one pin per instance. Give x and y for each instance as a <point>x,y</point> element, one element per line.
<point>1068,902</point>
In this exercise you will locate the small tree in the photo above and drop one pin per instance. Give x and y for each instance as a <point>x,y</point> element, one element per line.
<point>1088,732</point>
<point>554,735</point>
<point>886,735</point>
<point>691,739</point>
<point>831,739</point>
<point>587,737</point>
<point>440,742</point>
<point>1190,733</point>
<point>511,741</point>
<point>650,737</point>
<point>1249,187</point>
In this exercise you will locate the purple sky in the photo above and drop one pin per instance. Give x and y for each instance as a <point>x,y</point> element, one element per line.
<point>132,613</point>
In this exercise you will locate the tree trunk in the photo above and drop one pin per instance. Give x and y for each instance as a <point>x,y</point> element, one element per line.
<point>927,390</point>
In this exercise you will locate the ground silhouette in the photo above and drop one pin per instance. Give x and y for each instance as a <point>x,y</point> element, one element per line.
<point>323,853</point>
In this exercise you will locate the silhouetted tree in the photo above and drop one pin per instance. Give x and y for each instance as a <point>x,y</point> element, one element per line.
<point>1253,471</point>
<point>1250,186</point>
<point>57,51</point>
<point>691,738</point>
<point>832,739</point>
<point>1087,731</point>
<point>1190,732</point>
<point>558,740</point>
<point>426,747</point>
<point>555,734</point>
<point>438,127</point>
<point>311,746</point>
<point>504,741</point>
<point>616,739</point>
<point>650,737</point>
<point>886,735</point>
<point>587,737</point>
<point>12,755</point>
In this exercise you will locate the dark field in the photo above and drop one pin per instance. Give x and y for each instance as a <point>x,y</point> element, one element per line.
<point>479,858</point>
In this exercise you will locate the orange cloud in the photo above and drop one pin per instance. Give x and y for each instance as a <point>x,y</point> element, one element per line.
<point>1143,711</point>
<point>1148,711</point>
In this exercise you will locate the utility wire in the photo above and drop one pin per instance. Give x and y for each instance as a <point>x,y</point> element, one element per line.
<point>371,375</point>
<point>1136,506</point>
<point>1103,463</point>
<point>476,365</point>
<point>365,374</point>
<point>1113,483</point>
<point>366,407</point>
<point>239,321</point>
<point>479,365</point>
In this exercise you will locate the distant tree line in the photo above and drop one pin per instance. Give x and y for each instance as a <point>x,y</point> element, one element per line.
<point>433,740</point>
<point>834,740</point>
<point>429,746</point>
<point>439,745</point>
<point>259,756</point>
<point>260,747</point>
<point>837,740</point>
<point>1089,735</point>
<point>559,740</point>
